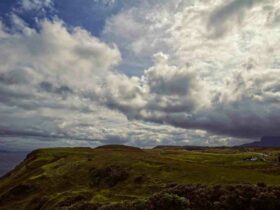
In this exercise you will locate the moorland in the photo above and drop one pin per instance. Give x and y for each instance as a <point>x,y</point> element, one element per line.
<point>123,177</point>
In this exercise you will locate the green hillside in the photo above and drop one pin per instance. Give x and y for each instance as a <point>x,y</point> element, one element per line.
<point>64,177</point>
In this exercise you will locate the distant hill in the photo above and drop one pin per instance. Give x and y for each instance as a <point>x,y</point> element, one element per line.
<point>186,147</point>
<point>266,141</point>
<point>170,147</point>
<point>119,147</point>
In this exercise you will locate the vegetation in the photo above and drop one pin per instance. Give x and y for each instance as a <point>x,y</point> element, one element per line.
<point>120,177</point>
<point>216,197</point>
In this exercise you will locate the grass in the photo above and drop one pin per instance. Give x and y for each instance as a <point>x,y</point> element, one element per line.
<point>63,173</point>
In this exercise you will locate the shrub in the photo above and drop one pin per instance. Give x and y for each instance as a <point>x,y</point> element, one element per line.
<point>165,201</point>
<point>233,197</point>
<point>109,176</point>
<point>139,179</point>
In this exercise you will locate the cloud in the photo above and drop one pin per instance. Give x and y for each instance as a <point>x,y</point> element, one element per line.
<point>154,76</point>
<point>57,85</point>
<point>224,16</point>
<point>29,5</point>
<point>43,83</point>
<point>105,2</point>
<point>57,56</point>
<point>163,88</point>
<point>197,82</point>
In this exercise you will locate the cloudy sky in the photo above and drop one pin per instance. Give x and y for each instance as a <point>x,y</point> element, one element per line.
<point>141,72</point>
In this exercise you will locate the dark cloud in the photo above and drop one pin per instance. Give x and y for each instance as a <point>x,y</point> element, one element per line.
<point>25,134</point>
<point>115,139</point>
<point>233,120</point>
<point>246,107</point>
<point>49,87</point>
<point>223,17</point>
<point>44,136</point>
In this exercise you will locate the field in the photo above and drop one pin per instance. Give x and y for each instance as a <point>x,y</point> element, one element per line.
<point>59,178</point>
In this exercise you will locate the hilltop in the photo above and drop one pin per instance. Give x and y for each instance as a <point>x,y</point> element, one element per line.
<point>116,147</point>
<point>85,178</point>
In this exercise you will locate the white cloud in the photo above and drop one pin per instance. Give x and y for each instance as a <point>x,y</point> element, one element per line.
<point>58,56</point>
<point>106,2</point>
<point>28,5</point>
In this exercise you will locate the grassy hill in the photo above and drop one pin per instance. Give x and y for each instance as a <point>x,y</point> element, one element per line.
<point>63,177</point>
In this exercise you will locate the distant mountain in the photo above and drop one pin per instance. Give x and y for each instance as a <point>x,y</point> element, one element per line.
<point>171,147</point>
<point>266,141</point>
<point>187,147</point>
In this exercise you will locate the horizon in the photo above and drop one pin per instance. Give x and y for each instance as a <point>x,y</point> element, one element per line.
<point>151,147</point>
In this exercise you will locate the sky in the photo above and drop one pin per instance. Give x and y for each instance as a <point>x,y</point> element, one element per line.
<point>141,73</point>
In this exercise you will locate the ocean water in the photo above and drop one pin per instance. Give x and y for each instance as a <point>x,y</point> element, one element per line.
<point>9,160</point>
